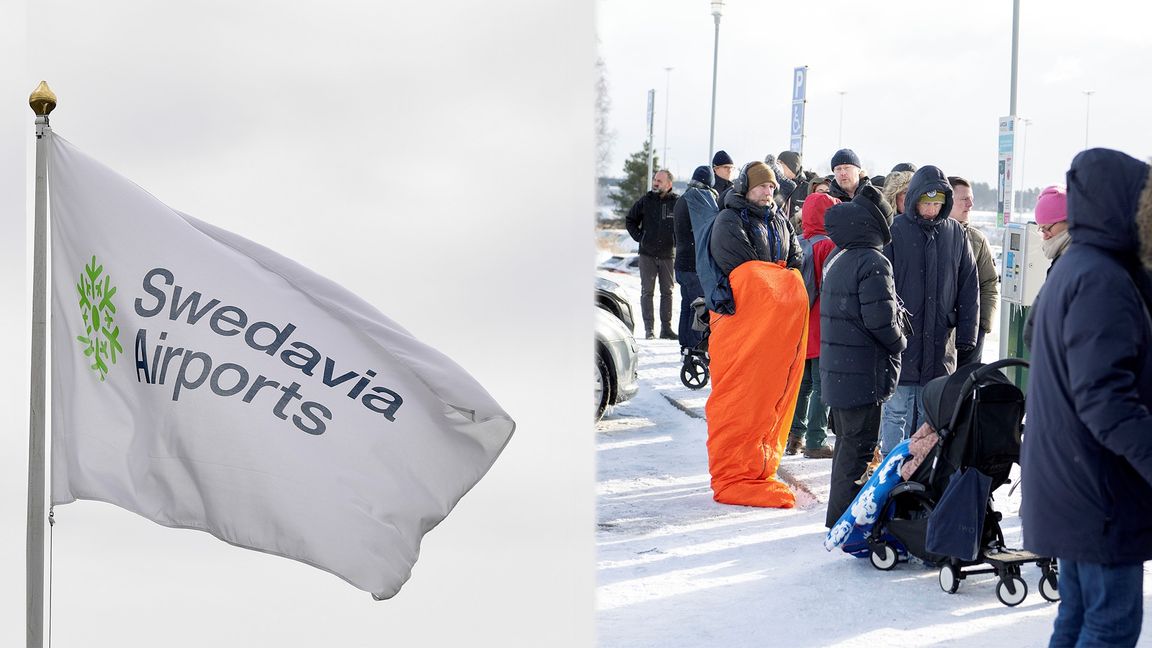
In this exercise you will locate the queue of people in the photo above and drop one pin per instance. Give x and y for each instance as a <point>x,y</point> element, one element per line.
<point>905,291</point>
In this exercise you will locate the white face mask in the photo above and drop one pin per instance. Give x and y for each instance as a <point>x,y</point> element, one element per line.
<point>1055,246</point>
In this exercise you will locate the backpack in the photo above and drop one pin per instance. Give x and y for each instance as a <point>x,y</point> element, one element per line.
<point>702,211</point>
<point>808,268</point>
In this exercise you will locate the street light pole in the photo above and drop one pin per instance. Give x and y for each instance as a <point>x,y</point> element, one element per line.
<point>1087,113</point>
<point>667,91</point>
<point>717,9</point>
<point>840,142</point>
<point>1023,158</point>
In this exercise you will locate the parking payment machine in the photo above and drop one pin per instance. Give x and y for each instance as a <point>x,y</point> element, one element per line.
<point>1025,265</point>
<point>1021,277</point>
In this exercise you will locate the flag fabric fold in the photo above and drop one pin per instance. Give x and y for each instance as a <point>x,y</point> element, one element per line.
<point>203,381</point>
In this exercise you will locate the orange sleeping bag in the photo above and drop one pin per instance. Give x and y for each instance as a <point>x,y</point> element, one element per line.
<point>757,361</point>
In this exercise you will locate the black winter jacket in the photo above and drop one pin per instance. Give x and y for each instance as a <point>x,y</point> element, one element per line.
<point>860,339</point>
<point>794,201</point>
<point>837,192</point>
<point>651,224</point>
<point>1087,456</point>
<point>936,279</point>
<point>742,233</point>
<point>720,184</point>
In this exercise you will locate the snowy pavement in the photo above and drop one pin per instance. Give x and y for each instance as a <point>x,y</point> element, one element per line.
<point>676,568</point>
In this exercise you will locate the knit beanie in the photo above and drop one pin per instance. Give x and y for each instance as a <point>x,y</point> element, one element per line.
<point>845,156</point>
<point>790,159</point>
<point>1052,206</point>
<point>721,158</point>
<point>702,174</point>
<point>904,166</point>
<point>759,173</point>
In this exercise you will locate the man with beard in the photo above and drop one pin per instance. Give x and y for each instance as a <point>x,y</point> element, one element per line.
<point>936,281</point>
<point>651,224</point>
<point>848,175</point>
<point>757,352</point>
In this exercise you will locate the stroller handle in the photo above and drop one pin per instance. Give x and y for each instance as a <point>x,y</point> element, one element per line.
<point>976,375</point>
<point>999,364</point>
<point>980,373</point>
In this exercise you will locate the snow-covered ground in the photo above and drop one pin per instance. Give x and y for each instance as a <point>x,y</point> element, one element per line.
<point>677,569</point>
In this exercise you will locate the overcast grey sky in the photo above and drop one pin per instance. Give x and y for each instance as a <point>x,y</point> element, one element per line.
<point>925,81</point>
<point>372,142</point>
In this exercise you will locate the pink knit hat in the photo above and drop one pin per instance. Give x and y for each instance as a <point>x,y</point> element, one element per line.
<point>1051,206</point>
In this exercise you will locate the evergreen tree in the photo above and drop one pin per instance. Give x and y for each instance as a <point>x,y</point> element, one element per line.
<point>636,181</point>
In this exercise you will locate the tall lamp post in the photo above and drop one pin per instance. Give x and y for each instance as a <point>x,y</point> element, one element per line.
<point>1023,158</point>
<point>717,9</point>
<point>840,142</point>
<point>667,91</point>
<point>1087,113</point>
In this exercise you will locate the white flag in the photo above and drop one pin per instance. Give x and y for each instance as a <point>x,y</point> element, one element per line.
<point>206,382</point>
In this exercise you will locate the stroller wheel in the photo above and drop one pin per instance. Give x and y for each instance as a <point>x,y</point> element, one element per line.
<point>949,579</point>
<point>883,557</point>
<point>1050,587</point>
<point>694,373</point>
<point>1011,591</point>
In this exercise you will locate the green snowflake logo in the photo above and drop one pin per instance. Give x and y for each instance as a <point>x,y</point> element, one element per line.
<point>101,341</point>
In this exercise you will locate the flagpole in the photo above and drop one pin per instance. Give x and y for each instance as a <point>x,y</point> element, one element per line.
<point>42,102</point>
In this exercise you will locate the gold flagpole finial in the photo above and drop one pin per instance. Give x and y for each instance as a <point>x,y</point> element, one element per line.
<point>42,99</point>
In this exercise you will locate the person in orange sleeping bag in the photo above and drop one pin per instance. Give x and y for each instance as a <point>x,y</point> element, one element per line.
<point>757,354</point>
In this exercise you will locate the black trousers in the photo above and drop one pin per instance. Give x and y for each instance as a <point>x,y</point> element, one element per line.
<point>651,269</point>
<point>857,431</point>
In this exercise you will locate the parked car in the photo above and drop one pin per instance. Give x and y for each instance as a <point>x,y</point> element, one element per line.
<point>611,297</point>
<point>626,263</point>
<point>615,354</point>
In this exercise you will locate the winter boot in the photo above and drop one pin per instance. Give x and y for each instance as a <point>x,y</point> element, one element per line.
<point>821,452</point>
<point>793,445</point>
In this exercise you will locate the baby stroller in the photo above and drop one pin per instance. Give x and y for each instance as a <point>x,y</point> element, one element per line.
<point>978,415</point>
<point>694,371</point>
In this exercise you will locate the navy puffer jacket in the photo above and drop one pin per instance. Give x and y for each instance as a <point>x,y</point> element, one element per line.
<point>1087,456</point>
<point>936,279</point>
<point>860,340</point>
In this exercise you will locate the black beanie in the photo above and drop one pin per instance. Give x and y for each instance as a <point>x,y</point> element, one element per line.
<point>904,166</point>
<point>721,158</point>
<point>790,159</point>
<point>703,175</point>
<point>846,156</point>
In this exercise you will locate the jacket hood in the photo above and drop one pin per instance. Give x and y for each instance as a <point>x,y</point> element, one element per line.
<point>927,178</point>
<point>1104,200</point>
<point>862,222</point>
<point>812,214</point>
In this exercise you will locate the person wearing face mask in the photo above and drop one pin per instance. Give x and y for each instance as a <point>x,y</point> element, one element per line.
<point>1052,217</point>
